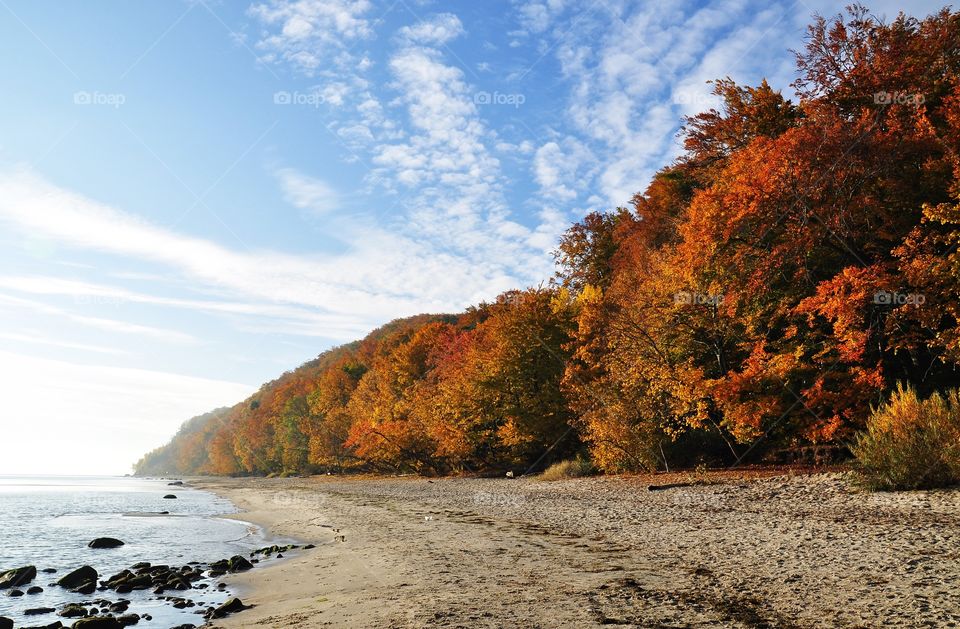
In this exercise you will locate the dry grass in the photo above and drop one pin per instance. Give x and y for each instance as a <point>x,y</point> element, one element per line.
<point>911,443</point>
<point>573,468</point>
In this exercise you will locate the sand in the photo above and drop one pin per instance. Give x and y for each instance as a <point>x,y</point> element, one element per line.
<point>781,550</point>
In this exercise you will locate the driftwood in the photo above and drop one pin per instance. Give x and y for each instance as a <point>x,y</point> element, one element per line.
<point>672,486</point>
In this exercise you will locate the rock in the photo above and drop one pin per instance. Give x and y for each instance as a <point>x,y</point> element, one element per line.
<point>15,593</point>
<point>176,483</point>
<point>128,619</point>
<point>53,625</point>
<point>97,623</point>
<point>105,542</point>
<point>17,577</point>
<point>86,589</point>
<point>309,546</point>
<point>78,577</point>
<point>35,590</point>
<point>169,497</point>
<point>239,564</point>
<point>5,623</point>
<point>232,606</point>
<point>73,610</point>
<point>49,570</point>
<point>38,611</point>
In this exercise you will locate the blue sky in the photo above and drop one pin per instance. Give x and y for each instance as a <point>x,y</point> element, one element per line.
<point>198,195</point>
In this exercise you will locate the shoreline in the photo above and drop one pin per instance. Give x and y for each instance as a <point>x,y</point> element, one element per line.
<point>744,549</point>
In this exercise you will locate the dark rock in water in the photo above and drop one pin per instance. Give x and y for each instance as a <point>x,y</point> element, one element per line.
<point>55,625</point>
<point>5,623</point>
<point>143,565</point>
<point>239,564</point>
<point>128,619</point>
<point>97,623</point>
<point>86,589</point>
<point>15,593</point>
<point>49,570</point>
<point>78,577</point>
<point>38,611</point>
<point>169,497</point>
<point>17,576</point>
<point>119,607</point>
<point>73,610</point>
<point>232,606</point>
<point>35,590</point>
<point>105,542</point>
<point>176,483</point>
<point>309,546</point>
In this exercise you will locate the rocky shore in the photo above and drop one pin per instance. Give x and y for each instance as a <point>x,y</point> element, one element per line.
<point>762,549</point>
<point>99,599</point>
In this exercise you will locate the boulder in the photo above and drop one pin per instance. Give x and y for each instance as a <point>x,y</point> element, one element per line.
<point>53,625</point>
<point>38,611</point>
<point>49,570</point>
<point>5,623</point>
<point>105,542</point>
<point>86,589</point>
<point>35,590</point>
<point>128,619</point>
<point>78,578</point>
<point>232,606</point>
<point>169,497</point>
<point>17,577</point>
<point>176,483</point>
<point>101,622</point>
<point>73,610</point>
<point>15,593</point>
<point>239,564</point>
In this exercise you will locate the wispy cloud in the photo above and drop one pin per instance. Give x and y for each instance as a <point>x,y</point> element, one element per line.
<point>100,323</point>
<point>436,31</point>
<point>312,35</point>
<point>307,193</point>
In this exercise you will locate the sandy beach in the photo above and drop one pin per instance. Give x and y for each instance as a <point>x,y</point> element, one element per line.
<point>772,549</point>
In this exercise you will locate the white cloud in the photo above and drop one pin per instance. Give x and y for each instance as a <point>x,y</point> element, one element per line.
<point>442,258</point>
<point>100,323</point>
<point>312,35</point>
<point>557,168</point>
<point>436,31</point>
<point>307,193</point>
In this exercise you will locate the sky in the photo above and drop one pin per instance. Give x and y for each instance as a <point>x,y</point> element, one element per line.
<point>197,195</point>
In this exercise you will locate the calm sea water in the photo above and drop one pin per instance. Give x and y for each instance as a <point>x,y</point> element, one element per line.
<point>48,521</point>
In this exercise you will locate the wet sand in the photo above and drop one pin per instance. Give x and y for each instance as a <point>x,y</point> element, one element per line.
<point>746,550</point>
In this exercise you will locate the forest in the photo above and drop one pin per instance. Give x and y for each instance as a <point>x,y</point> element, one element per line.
<point>794,266</point>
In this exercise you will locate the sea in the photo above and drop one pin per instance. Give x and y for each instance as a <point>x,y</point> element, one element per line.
<point>47,522</point>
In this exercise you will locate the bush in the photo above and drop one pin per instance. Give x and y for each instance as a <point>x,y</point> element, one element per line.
<point>911,443</point>
<point>574,468</point>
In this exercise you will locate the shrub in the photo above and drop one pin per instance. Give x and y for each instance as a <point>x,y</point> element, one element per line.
<point>573,468</point>
<point>911,443</point>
